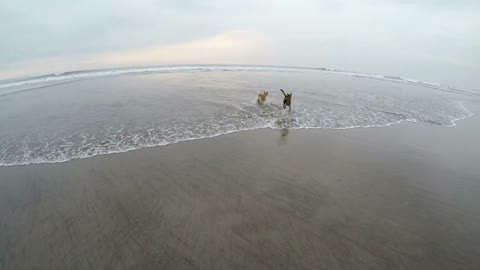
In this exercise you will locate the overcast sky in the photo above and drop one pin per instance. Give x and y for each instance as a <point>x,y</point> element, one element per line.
<point>437,41</point>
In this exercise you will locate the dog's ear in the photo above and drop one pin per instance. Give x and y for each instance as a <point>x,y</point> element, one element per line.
<point>267,93</point>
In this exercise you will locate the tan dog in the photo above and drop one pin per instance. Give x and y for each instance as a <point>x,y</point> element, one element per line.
<point>262,97</point>
<point>287,100</point>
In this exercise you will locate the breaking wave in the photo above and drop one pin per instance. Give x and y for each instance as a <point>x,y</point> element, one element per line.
<point>56,147</point>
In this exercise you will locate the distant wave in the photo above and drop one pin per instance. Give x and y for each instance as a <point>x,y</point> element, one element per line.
<point>13,86</point>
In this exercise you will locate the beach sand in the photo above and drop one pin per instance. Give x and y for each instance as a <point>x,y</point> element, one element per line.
<point>398,197</point>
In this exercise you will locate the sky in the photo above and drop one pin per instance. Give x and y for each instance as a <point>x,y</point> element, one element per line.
<point>435,41</point>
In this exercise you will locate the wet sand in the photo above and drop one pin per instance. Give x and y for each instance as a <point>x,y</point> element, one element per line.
<point>401,197</point>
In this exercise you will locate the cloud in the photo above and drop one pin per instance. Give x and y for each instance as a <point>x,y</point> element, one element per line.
<point>233,47</point>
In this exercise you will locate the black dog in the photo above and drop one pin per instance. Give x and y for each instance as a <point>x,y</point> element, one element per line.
<point>287,100</point>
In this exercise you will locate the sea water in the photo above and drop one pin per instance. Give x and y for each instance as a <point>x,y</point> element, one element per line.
<point>60,117</point>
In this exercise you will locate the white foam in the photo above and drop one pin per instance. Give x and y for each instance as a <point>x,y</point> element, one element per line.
<point>247,117</point>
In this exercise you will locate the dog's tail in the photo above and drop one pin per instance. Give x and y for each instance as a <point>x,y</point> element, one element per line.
<point>283,92</point>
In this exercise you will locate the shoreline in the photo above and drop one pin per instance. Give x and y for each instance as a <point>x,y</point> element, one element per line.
<point>400,197</point>
<point>401,122</point>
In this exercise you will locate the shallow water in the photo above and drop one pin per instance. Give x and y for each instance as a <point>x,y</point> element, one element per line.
<point>96,115</point>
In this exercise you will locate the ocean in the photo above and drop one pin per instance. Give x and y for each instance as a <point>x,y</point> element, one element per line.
<point>60,117</point>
